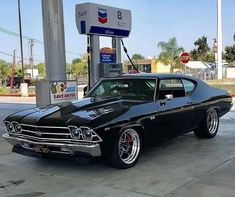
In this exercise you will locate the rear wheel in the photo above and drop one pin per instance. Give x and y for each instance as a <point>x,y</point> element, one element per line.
<point>209,126</point>
<point>126,149</point>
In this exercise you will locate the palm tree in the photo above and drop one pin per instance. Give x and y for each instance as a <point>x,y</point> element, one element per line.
<point>170,53</point>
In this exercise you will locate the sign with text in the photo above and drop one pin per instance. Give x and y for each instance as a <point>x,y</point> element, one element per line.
<point>103,20</point>
<point>62,91</point>
<point>185,57</point>
<point>107,55</point>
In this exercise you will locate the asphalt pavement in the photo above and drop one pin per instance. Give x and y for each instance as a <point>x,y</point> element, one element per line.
<point>182,167</point>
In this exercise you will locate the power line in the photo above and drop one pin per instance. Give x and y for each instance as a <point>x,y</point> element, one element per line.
<point>72,53</point>
<point>17,35</point>
<point>8,54</point>
<point>35,40</point>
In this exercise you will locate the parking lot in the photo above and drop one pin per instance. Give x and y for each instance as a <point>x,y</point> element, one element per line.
<point>184,166</point>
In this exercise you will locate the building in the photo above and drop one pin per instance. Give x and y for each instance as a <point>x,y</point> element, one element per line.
<point>148,66</point>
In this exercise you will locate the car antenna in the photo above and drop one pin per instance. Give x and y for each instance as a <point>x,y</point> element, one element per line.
<point>125,50</point>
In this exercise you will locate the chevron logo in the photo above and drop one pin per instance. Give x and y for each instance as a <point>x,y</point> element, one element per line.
<point>102,15</point>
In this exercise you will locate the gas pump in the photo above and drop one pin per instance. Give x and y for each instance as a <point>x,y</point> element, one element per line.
<point>96,20</point>
<point>110,69</point>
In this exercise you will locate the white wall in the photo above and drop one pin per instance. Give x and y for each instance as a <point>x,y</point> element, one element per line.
<point>230,72</point>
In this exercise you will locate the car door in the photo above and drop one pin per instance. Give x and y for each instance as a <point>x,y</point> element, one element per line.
<point>174,108</point>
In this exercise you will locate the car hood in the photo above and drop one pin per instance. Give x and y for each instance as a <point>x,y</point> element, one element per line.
<point>88,111</point>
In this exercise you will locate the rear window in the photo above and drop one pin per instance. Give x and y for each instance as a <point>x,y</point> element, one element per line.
<point>189,86</point>
<point>171,86</point>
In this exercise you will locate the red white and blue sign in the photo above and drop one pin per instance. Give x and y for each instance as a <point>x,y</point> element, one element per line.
<point>103,20</point>
<point>107,55</point>
<point>107,58</point>
<point>102,15</point>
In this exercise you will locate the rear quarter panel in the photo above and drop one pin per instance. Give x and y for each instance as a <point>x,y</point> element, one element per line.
<point>206,97</point>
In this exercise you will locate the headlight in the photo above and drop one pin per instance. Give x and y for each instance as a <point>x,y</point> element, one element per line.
<point>75,132</point>
<point>86,133</point>
<point>17,127</point>
<point>9,127</point>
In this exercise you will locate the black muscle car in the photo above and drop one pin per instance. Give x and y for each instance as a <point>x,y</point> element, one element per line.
<point>119,117</point>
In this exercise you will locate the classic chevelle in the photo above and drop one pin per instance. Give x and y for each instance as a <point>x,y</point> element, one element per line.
<point>120,116</point>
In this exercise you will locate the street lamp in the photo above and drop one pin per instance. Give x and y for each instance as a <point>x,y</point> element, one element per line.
<point>214,49</point>
<point>215,45</point>
<point>219,40</point>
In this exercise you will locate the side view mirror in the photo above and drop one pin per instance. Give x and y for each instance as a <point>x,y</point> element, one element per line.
<point>169,97</point>
<point>85,91</point>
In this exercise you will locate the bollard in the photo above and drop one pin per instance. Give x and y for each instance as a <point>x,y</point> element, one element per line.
<point>24,90</point>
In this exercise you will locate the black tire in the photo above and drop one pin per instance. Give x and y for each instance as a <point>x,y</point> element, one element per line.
<point>17,85</point>
<point>117,157</point>
<point>209,126</point>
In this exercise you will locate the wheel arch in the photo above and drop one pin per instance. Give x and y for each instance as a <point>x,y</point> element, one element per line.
<point>140,129</point>
<point>216,108</point>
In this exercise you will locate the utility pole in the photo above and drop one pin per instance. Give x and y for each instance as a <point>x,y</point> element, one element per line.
<point>21,41</point>
<point>31,44</point>
<point>219,40</point>
<point>13,69</point>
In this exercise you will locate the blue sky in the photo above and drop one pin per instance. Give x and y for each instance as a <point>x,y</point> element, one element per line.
<point>153,21</point>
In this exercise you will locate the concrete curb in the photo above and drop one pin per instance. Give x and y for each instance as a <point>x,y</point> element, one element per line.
<point>16,95</point>
<point>33,95</point>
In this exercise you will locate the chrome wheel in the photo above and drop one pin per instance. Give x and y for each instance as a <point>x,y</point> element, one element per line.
<point>212,121</point>
<point>129,146</point>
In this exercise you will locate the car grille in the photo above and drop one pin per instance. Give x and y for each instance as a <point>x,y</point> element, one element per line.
<point>45,132</point>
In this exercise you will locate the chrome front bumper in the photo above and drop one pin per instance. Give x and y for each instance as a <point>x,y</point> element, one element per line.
<point>61,148</point>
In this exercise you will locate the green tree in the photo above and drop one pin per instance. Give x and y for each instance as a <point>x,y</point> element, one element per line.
<point>17,71</point>
<point>80,68</point>
<point>5,69</point>
<point>41,70</point>
<point>84,57</point>
<point>202,50</point>
<point>210,57</point>
<point>230,53</point>
<point>76,60</point>
<point>170,53</point>
<point>137,56</point>
<point>70,70</point>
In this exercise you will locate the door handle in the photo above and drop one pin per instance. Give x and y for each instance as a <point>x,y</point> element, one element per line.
<point>162,103</point>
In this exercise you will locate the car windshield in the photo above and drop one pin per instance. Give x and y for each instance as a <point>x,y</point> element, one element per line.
<point>133,89</point>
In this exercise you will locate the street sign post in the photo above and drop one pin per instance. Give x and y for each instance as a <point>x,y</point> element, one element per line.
<point>185,58</point>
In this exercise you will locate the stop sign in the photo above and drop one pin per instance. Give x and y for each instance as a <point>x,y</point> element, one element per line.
<point>185,58</point>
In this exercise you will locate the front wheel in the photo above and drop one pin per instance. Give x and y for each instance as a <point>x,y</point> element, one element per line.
<point>126,149</point>
<point>209,126</point>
